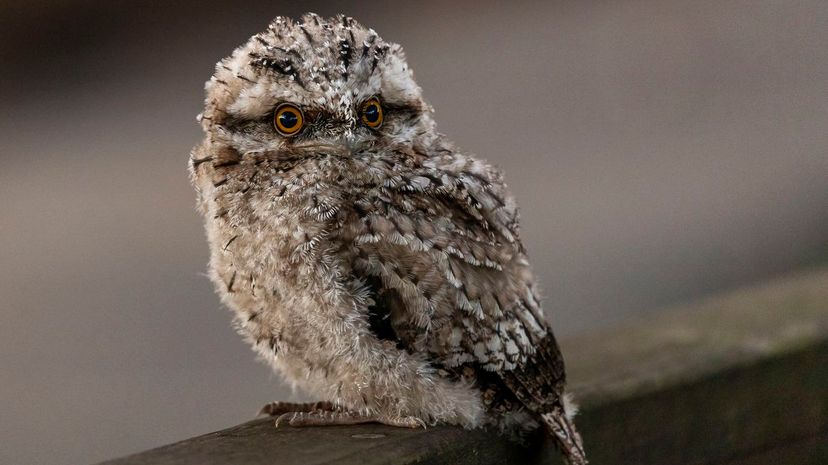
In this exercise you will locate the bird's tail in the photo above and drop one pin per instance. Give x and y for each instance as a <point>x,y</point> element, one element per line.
<point>560,425</point>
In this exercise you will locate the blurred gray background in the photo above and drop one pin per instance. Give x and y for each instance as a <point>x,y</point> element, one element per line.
<point>661,151</point>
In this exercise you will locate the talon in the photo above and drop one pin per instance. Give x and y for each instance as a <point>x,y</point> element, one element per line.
<point>277,408</point>
<point>405,422</point>
<point>283,419</point>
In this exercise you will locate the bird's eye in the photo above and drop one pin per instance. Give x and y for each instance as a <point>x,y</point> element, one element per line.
<point>288,119</point>
<point>372,113</point>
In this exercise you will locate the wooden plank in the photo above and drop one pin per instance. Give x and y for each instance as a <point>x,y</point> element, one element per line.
<point>731,413</point>
<point>693,341</point>
<point>739,379</point>
<point>258,442</point>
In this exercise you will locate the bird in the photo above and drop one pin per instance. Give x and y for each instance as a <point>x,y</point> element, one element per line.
<point>368,260</point>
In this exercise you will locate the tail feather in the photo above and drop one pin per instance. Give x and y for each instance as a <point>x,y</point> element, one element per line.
<point>566,436</point>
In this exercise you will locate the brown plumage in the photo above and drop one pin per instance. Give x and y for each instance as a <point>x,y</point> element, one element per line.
<point>368,260</point>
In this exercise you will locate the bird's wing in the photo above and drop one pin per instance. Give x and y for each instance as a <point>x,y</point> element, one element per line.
<point>439,247</point>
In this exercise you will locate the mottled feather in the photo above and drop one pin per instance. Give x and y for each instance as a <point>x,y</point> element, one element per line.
<point>379,268</point>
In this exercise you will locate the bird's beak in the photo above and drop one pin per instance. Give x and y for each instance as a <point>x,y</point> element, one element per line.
<point>317,147</point>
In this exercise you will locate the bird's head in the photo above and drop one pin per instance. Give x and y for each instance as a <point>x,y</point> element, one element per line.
<point>303,91</point>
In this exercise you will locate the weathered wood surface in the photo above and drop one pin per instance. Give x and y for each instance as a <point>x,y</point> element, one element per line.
<point>740,379</point>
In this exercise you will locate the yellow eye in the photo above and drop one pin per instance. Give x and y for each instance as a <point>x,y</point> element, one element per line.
<point>372,113</point>
<point>288,119</point>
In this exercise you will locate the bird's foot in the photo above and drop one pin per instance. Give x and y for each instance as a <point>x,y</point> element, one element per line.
<point>275,409</point>
<point>343,417</point>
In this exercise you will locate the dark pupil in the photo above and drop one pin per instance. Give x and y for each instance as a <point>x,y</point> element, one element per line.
<point>372,113</point>
<point>288,119</point>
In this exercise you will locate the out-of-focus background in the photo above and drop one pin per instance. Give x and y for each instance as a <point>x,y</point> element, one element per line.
<point>661,150</point>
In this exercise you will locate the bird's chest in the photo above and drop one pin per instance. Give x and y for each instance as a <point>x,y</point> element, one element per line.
<point>270,258</point>
<point>264,247</point>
